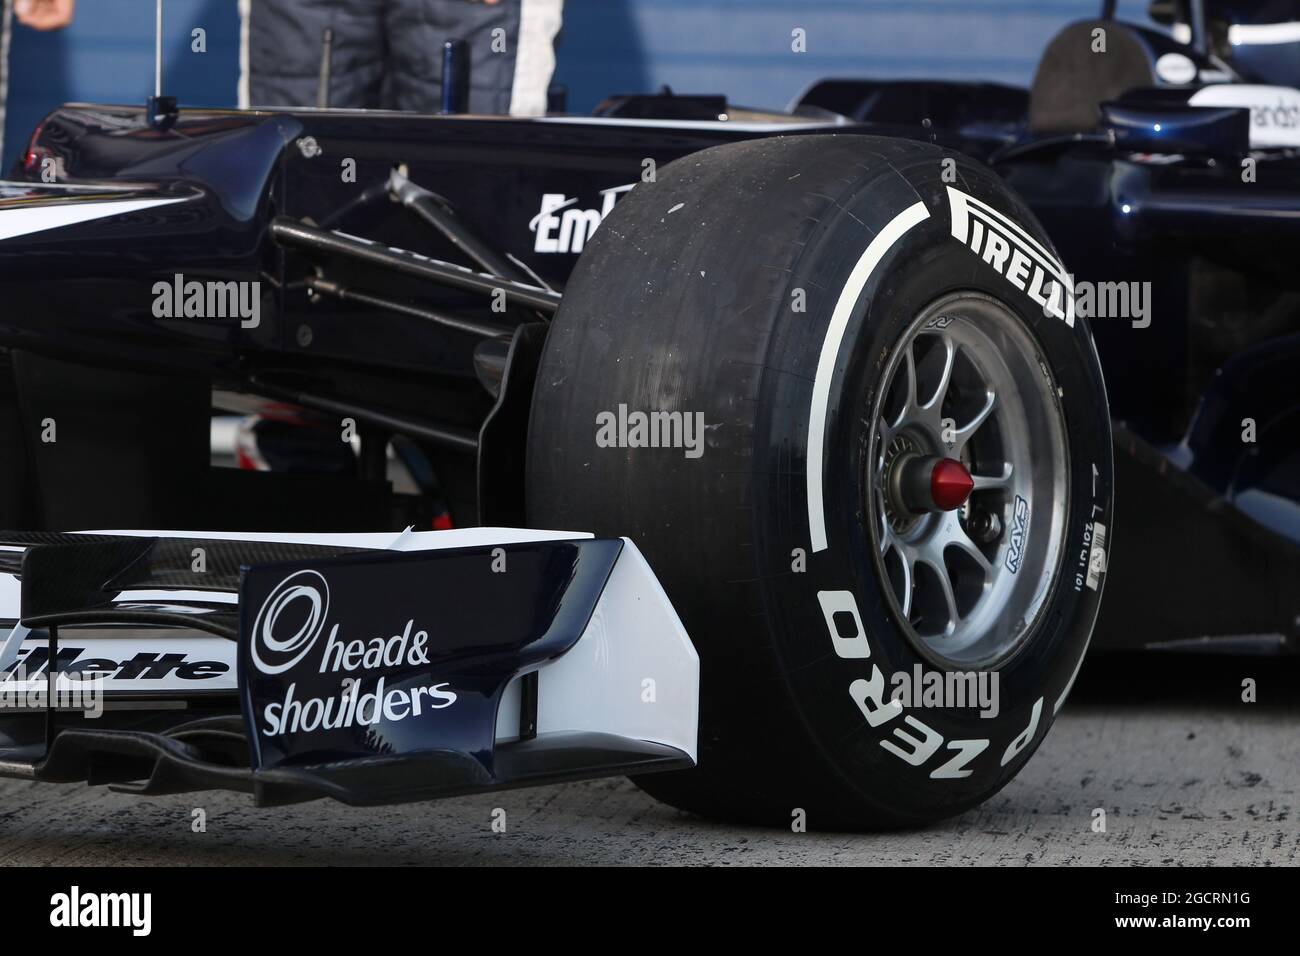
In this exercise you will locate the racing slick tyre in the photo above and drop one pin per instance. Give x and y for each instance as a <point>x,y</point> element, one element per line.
<point>833,388</point>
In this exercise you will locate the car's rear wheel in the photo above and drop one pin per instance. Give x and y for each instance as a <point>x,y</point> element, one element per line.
<point>901,480</point>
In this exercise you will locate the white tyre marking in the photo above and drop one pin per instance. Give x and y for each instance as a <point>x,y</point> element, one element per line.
<point>977,224</point>
<point>922,748</point>
<point>955,769</point>
<point>1069,685</point>
<point>835,602</point>
<point>875,251</point>
<point>1026,736</point>
<point>25,220</point>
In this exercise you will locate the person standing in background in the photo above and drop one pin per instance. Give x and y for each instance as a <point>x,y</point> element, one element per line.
<point>37,14</point>
<point>44,14</point>
<point>386,54</point>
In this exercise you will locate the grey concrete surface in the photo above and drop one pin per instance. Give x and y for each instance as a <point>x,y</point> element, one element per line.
<point>1190,777</point>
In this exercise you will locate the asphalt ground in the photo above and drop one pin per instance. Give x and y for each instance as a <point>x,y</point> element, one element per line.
<point>1186,772</point>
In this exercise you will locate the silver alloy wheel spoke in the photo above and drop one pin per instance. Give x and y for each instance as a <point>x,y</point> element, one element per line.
<point>909,578</point>
<point>991,482</point>
<point>908,413</point>
<point>940,574</point>
<point>932,409</point>
<point>950,534</point>
<point>963,434</point>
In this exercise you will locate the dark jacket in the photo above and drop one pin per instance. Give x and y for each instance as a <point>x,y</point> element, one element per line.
<point>387,54</point>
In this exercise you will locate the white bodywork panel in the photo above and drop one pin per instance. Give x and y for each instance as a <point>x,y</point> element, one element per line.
<point>1274,110</point>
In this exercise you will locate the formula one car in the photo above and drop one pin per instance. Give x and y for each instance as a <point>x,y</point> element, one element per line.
<point>832,372</point>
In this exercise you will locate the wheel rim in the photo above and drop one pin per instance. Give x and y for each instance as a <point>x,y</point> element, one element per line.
<point>966,382</point>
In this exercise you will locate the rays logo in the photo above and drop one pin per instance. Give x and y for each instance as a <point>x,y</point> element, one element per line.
<point>1019,531</point>
<point>1016,255</point>
<point>303,598</point>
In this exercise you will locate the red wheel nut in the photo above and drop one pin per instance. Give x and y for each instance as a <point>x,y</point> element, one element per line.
<point>950,484</point>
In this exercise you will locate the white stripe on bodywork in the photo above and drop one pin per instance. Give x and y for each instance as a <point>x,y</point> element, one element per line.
<point>539,22</point>
<point>408,540</point>
<point>26,220</point>
<point>161,594</point>
<point>723,125</point>
<point>881,244</point>
<point>1263,34</point>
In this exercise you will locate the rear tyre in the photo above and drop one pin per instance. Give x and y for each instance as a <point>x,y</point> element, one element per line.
<point>832,306</point>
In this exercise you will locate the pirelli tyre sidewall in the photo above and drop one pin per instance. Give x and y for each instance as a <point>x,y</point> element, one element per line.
<point>938,760</point>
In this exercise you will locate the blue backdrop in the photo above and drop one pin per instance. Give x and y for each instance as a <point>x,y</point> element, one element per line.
<point>740,47</point>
